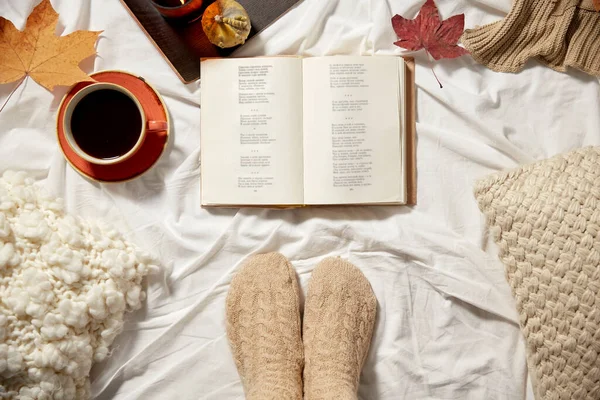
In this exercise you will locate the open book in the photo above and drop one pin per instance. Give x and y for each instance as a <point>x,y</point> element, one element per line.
<point>288,131</point>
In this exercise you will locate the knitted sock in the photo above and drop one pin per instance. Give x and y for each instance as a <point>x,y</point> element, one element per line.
<point>263,327</point>
<point>339,316</point>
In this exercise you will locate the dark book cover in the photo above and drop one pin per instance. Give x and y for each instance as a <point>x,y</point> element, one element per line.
<point>183,44</point>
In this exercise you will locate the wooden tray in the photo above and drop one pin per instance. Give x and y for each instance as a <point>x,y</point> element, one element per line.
<point>183,44</point>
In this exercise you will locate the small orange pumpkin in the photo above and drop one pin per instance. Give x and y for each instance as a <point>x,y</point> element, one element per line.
<point>226,23</point>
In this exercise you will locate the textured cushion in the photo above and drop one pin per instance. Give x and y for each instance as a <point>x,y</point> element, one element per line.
<point>545,218</point>
<point>65,284</point>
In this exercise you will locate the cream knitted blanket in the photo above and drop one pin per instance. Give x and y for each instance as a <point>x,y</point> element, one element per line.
<point>65,285</point>
<point>545,218</point>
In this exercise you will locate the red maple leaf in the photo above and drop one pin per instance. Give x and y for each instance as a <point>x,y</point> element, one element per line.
<point>426,31</point>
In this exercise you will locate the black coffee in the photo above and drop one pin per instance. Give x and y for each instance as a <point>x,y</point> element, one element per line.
<point>170,3</point>
<point>106,124</point>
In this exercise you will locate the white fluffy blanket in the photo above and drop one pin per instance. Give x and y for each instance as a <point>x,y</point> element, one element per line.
<point>65,284</point>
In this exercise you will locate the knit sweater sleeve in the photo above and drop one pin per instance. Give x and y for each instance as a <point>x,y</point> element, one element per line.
<point>558,33</point>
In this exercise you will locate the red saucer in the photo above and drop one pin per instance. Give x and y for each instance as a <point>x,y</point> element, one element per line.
<point>153,145</point>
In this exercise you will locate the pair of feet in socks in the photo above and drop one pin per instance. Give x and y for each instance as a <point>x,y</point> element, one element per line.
<point>280,357</point>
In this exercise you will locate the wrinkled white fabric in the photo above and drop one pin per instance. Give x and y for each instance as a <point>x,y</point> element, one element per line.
<point>447,325</point>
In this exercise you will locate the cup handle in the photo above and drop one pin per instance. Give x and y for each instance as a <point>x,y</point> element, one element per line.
<point>154,126</point>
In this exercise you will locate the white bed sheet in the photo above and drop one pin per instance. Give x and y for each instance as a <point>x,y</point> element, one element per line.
<point>446,326</point>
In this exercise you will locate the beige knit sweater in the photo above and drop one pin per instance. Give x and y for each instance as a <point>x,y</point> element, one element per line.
<point>558,33</point>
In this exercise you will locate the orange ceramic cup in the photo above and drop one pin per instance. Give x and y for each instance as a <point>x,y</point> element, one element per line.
<point>148,126</point>
<point>175,9</point>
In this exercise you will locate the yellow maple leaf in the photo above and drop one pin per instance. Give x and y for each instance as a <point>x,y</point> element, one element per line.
<point>36,51</point>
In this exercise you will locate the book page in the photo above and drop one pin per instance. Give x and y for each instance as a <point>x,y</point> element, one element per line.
<point>353,130</point>
<point>251,130</point>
